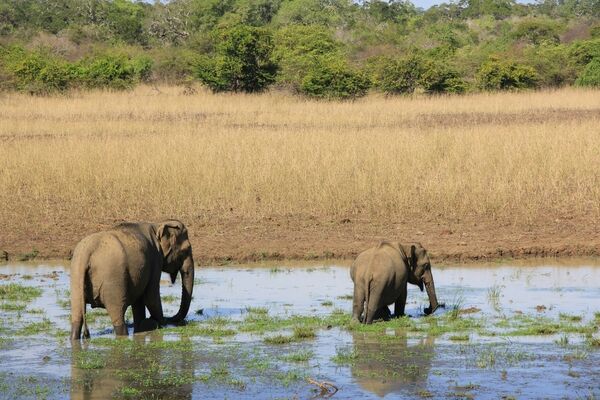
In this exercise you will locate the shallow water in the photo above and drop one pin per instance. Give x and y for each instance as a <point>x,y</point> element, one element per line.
<point>392,362</point>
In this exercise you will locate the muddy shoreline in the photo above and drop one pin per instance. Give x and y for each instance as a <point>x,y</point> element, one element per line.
<point>219,240</point>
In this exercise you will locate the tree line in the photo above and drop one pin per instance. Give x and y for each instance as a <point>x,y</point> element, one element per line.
<point>320,48</point>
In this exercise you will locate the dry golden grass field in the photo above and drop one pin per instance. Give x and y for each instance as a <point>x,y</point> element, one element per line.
<point>274,176</point>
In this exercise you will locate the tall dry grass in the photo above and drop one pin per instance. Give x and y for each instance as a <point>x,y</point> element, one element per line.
<point>148,154</point>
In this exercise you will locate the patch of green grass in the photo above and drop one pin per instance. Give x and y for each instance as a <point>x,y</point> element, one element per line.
<point>10,306</point>
<point>346,297</point>
<point>4,341</point>
<point>486,359</point>
<point>214,328</point>
<point>459,338</point>
<point>299,356</point>
<point>327,303</point>
<point>257,310</point>
<point>289,377</point>
<point>128,391</point>
<point>570,318</point>
<point>278,339</point>
<point>345,356</point>
<point>35,328</point>
<point>90,360</point>
<point>304,332</point>
<point>17,292</point>
<point>35,311</point>
<point>594,341</point>
<point>563,340</point>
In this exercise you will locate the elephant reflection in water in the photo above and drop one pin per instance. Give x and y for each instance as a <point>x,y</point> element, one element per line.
<point>390,364</point>
<point>125,366</point>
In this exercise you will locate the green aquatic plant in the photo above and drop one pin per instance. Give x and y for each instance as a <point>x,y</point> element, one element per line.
<point>299,356</point>
<point>345,356</point>
<point>18,292</point>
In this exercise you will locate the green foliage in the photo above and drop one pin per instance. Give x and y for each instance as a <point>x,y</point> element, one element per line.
<point>115,71</point>
<point>335,79</point>
<point>246,45</point>
<point>537,31</point>
<point>298,48</point>
<point>590,75</point>
<point>396,76</point>
<point>242,63</point>
<point>503,75</point>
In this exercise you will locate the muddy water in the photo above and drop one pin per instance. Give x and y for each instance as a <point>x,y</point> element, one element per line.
<point>487,357</point>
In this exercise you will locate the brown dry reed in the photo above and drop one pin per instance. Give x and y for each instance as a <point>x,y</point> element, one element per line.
<point>150,153</point>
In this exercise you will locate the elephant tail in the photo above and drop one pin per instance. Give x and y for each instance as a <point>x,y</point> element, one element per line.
<point>369,279</point>
<point>79,267</point>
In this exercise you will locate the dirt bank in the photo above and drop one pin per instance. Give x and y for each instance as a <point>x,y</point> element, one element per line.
<point>231,239</point>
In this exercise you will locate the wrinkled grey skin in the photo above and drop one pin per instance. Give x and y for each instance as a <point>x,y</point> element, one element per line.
<point>380,275</point>
<point>122,266</point>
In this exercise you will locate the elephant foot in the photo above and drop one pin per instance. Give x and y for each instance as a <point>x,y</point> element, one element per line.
<point>147,324</point>
<point>120,330</point>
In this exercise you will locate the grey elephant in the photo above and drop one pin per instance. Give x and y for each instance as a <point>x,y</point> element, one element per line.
<point>122,266</point>
<point>380,275</point>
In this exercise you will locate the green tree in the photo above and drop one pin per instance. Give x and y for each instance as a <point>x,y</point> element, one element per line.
<point>335,79</point>
<point>396,75</point>
<point>299,47</point>
<point>242,62</point>
<point>503,75</point>
<point>590,75</point>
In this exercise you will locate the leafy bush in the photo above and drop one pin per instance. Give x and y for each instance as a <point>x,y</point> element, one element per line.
<point>503,75</point>
<point>298,48</point>
<point>437,77</point>
<point>590,75</point>
<point>114,71</point>
<point>242,63</point>
<point>36,72</point>
<point>397,76</point>
<point>537,31</point>
<point>582,52</point>
<point>334,79</point>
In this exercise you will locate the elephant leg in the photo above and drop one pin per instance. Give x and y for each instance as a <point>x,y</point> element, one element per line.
<point>373,305</point>
<point>153,302</point>
<point>116,312</point>
<point>139,314</point>
<point>400,303</point>
<point>358,304</point>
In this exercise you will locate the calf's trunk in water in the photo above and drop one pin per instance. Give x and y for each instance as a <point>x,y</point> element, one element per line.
<point>187,287</point>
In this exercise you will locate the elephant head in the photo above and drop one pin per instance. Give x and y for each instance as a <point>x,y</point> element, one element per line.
<point>176,249</point>
<point>420,275</point>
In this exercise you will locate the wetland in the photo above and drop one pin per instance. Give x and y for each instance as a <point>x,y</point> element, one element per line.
<point>279,331</point>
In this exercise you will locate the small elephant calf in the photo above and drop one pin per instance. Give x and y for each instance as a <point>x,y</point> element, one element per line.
<point>380,275</point>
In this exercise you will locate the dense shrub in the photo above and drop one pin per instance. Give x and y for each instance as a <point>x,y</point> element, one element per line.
<point>298,48</point>
<point>590,75</point>
<point>396,76</point>
<point>537,31</point>
<point>242,61</point>
<point>503,75</point>
<point>114,71</point>
<point>334,79</point>
<point>437,77</point>
<point>36,72</point>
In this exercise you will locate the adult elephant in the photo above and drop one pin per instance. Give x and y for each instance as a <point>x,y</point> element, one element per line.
<point>380,275</point>
<point>122,266</point>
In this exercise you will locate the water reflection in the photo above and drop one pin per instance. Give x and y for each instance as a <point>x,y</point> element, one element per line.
<point>391,363</point>
<point>129,367</point>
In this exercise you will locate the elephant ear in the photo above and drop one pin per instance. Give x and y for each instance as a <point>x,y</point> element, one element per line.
<point>413,257</point>
<point>167,236</point>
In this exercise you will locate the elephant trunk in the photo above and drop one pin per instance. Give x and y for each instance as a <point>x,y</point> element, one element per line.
<point>187,287</point>
<point>430,287</point>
